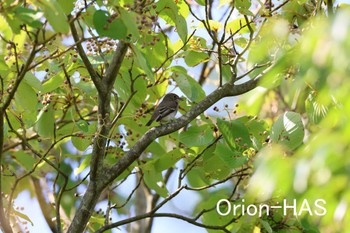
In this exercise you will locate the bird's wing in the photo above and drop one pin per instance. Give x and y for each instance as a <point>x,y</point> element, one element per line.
<point>165,110</point>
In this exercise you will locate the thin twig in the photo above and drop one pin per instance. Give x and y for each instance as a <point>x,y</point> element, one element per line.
<point>190,165</point>
<point>72,92</point>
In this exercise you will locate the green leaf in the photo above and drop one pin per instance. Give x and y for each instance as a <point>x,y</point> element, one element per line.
<point>238,25</point>
<point>88,16</point>
<point>288,130</point>
<point>157,53</point>
<point>181,27</point>
<point>187,84</point>
<point>33,81</point>
<point>106,26</point>
<point>170,12</point>
<point>54,14</point>
<point>26,97</point>
<point>214,167</point>
<point>167,160</point>
<point>81,142</point>
<point>98,220</point>
<point>11,20</point>
<point>194,58</point>
<point>315,110</point>
<point>129,19</point>
<point>196,177</point>
<point>25,160</point>
<point>235,133</point>
<point>82,125</point>
<point>257,129</point>
<point>197,136</point>
<point>232,159</point>
<point>201,2</point>
<point>143,62</point>
<point>273,175</point>
<point>53,83</point>
<point>45,123</point>
<point>13,120</point>
<point>67,5</point>
<point>156,149</point>
<point>140,96</point>
<point>84,164</point>
<point>243,7</point>
<point>213,218</point>
<point>3,65</point>
<point>122,86</point>
<point>29,16</point>
<point>154,179</point>
<point>23,216</point>
<point>266,225</point>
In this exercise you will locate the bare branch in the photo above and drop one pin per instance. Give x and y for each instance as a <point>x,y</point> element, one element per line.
<point>168,215</point>
<point>113,69</point>
<point>94,76</point>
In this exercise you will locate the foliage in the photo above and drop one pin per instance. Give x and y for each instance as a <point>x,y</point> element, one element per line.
<point>79,80</point>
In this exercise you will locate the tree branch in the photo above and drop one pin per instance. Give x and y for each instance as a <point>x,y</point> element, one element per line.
<point>112,71</point>
<point>94,76</point>
<point>168,215</point>
<point>101,176</point>
<point>226,90</point>
<point>4,222</point>
<point>97,169</point>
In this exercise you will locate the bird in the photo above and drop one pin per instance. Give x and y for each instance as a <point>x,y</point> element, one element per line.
<point>166,110</point>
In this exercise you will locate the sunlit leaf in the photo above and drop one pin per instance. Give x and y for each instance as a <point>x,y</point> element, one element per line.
<point>83,125</point>
<point>238,25</point>
<point>154,179</point>
<point>193,58</point>
<point>33,81</point>
<point>273,175</point>
<point>168,160</point>
<point>266,225</point>
<point>316,111</point>
<point>143,62</point>
<point>235,133</point>
<point>108,26</point>
<point>129,19</point>
<point>24,159</point>
<point>26,97</point>
<point>84,164</point>
<point>197,136</point>
<point>23,216</point>
<point>169,11</point>
<point>67,5</point>
<point>187,84</point>
<point>54,82</point>
<point>45,124</point>
<point>288,130</point>
<point>29,16</point>
<point>243,7</point>
<point>197,178</point>
<point>214,167</point>
<point>232,159</point>
<point>55,15</point>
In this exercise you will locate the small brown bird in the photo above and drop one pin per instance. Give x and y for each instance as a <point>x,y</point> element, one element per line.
<point>166,110</point>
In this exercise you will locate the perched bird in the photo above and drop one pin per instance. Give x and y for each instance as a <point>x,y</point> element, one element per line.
<point>166,110</point>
